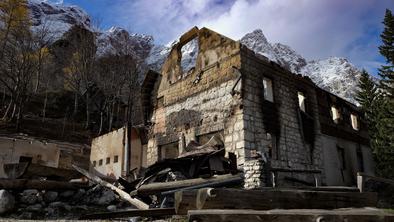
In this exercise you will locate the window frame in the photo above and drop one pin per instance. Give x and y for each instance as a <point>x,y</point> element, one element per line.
<point>268,88</point>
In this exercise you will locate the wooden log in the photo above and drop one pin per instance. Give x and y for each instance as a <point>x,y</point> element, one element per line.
<point>185,201</point>
<point>154,212</point>
<point>154,188</point>
<point>125,196</point>
<point>309,215</point>
<point>284,199</point>
<point>22,184</point>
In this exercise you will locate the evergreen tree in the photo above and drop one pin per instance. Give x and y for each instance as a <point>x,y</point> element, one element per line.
<point>384,134</point>
<point>386,72</point>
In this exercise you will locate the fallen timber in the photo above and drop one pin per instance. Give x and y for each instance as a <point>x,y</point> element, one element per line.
<point>154,212</point>
<point>156,188</point>
<point>27,170</point>
<point>296,215</point>
<point>222,198</point>
<point>125,196</point>
<point>22,184</point>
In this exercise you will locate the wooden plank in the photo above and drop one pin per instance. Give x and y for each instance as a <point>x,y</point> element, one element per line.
<point>125,196</point>
<point>154,212</point>
<point>310,215</point>
<point>22,184</point>
<point>185,201</point>
<point>380,179</point>
<point>283,199</point>
<point>154,188</point>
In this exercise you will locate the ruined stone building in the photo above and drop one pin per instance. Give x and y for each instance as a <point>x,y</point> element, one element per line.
<point>282,128</point>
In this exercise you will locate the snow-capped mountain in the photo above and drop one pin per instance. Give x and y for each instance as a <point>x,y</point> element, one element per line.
<point>336,75</point>
<point>119,41</point>
<point>56,19</point>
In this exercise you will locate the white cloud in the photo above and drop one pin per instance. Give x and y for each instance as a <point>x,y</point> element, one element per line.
<point>316,29</point>
<point>56,2</point>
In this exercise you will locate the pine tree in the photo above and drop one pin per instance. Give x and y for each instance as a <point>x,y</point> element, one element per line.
<point>384,134</point>
<point>386,72</point>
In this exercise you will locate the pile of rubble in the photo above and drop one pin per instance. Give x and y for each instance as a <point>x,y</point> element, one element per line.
<point>49,204</point>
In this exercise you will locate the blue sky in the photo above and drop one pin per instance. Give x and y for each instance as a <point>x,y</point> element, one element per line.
<point>315,29</point>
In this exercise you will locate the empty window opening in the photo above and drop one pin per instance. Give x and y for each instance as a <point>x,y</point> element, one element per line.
<point>301,101</point>
<point>354,121</point>
<point>268,91</point>
<point>100,162</point>
<point>25,159</point>
<point>108,160</point>
<point>272,149</point>
<point>360,159</point>
<point>335,114</point>
<point>341,156</point>
<point>189,55</point>
<point>94,163</point>
<point>116,159</point>
<point>169,151</point>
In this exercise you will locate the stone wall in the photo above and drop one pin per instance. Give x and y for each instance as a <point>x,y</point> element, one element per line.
<point>292,152</point>
<point>203,101</point>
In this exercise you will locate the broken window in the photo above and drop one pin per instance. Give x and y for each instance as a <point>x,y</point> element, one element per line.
<point>108,160</point>
<point>189,53</point>
<point>335,114</point>
<point>100,162</point>
<point>272,149</point>
<point>301,101</point>
<point>268,91</point>
<point>169,151</point>
<point>354,121</point>
<point>360,159</point>
<point>25,159</point>
<point>341,156</point>
<point>116,159</point>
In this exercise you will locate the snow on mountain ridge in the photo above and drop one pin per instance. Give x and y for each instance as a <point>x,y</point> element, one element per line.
<point>55,18</point>
<point>336,75</point>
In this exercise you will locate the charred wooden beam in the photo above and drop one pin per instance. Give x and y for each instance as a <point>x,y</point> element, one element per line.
<point>125,196</point>
<point>154,212</point>
<point>309,215</point>
<point>155,188</point>
<point>22,184</point>
<point>285,199</point>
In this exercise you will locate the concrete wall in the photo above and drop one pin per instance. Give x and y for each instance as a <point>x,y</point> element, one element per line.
<point>332,161</point>
<point>108,145</point>
<point>115,144</point>
<point>42,153</point>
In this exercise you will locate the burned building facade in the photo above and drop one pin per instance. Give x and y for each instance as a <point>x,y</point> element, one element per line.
<point>282,128</point>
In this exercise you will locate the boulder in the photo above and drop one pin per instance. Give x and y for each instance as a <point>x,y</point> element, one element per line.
<point>34,208</point>
<point>67,194</point>
<point>111,208</point>
<point>107,197</point>
<point>7,201</point>
<point>50,196</point>
<point>29,196</point>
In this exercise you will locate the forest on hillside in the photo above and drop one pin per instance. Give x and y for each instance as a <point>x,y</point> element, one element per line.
<point>60,88</point>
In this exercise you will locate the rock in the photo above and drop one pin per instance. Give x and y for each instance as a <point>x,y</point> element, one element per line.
<point>29,197</point>
<point>67,194</point>
<point>7,201</point>
<point>107,197</point>
<point>79,195</point>
<point>50,196</point>
<point>34,208</point>
<point>111,208</point>
<point>26,215</point>
<point>60,205</point>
